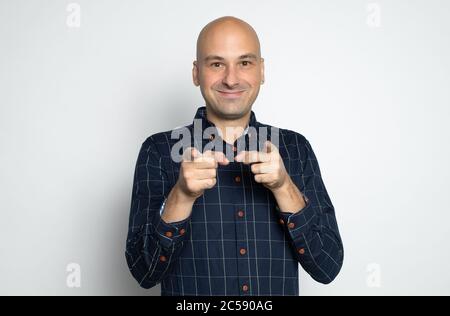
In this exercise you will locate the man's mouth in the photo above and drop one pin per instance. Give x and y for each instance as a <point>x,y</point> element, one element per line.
<point>230,94</point>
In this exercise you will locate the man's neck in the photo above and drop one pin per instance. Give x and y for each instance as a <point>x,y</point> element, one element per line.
<point>230,130</point>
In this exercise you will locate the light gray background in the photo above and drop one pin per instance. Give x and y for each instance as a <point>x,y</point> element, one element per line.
<point>77,103</point>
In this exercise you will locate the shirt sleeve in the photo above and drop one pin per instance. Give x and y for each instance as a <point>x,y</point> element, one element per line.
<point>313,231</point>
<point>152,246</point>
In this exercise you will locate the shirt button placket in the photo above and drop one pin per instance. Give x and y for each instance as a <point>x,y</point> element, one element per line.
<point>241,250</point>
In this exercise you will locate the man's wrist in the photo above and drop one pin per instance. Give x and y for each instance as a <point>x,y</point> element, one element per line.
<point>178,206</point>
<point>180,196</point>
<point>284,189</point>
<point>289,197</point>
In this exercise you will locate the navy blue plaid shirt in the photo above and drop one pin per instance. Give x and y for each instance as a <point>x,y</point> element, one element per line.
<point>236,240</point>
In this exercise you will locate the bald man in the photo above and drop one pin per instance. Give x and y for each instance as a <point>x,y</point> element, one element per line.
<point>245,202</point>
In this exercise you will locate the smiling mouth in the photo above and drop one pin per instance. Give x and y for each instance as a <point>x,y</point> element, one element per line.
<point>230,94</point>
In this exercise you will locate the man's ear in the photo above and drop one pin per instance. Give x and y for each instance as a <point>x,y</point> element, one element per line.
<point>262,71</point>
<point>195,74</point>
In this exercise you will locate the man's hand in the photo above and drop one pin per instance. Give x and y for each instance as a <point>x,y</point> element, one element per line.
<point>267,166</point>
<point>198,171</point>
<point>270,171</point>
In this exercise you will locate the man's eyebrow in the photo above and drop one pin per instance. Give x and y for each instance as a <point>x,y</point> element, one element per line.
<point>248,56</point>
<point>216,57</point>
<point>213,57</point>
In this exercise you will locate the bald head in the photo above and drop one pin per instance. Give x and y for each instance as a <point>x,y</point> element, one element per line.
<point>227,30</point>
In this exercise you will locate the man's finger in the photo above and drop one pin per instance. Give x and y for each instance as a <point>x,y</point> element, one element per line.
<point>202,174</point>
<point>269,147</point>
<point>190,154</point>
<point>205,163</point>
<point>218,156</point>
<point>207,183</point>
<point>221,158</point>
<point>263,178</point>
<point>261,168</point>
<point>247,157</point>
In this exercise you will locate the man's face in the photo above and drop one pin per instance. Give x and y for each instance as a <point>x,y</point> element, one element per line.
<point>229,70</point>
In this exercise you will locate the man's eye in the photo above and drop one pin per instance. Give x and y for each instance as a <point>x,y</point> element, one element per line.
<point>246,63</point>
<point>215,64</point>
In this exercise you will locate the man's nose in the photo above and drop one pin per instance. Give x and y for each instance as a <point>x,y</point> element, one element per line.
<point>231,78</point>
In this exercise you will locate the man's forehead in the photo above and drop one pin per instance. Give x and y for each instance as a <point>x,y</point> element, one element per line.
<point>229,39</point>
<point>228,49</point>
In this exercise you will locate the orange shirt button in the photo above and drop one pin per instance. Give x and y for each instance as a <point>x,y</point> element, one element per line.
<point>291,225</point>
<point>245,288</point>
<point>169,234</point>
<point>162,259</point>
<point>237,179</point>
<point>241,213</point>
<point>281,221</point>
<point>234,149</point>
<point>182,231</point>
<point>301,251</point>
<point>242,251</point>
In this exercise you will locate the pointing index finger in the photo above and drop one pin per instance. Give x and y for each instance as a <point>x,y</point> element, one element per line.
<point>248,157</point>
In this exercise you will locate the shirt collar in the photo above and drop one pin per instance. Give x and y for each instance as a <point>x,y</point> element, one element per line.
<point>201,114</point>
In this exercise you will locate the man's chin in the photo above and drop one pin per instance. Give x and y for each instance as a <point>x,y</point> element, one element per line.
<point>231,109</point>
